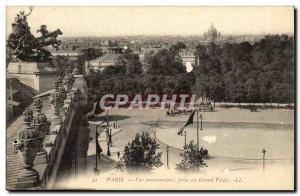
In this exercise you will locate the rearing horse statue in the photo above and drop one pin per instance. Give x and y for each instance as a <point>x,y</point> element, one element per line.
<point>51,39</point>
<point>25,46</point>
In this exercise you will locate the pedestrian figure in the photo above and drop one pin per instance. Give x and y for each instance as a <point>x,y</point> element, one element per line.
<point>110,139</point>
<point>118,154</point>
<point>264,153</point>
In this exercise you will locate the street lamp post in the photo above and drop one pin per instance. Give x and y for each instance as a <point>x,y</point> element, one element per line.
<point>264,153</point>
<point>184,138</point>
<point>168,157</point>
<point>96,170</point>
<point>201,122</point>
<point>108,138</point>
<point>197,129</point>
<point>108,150</point>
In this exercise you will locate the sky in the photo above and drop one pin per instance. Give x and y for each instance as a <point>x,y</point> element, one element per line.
<point>114,21</point>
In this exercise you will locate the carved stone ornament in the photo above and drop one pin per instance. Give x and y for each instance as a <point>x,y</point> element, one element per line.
<point>61,88</point>
<point>25,46</point>
<point>56,103</point>
<point>28,143</point>
<point>55,99</point>
<point>68,82</point>
<point>40,123</point>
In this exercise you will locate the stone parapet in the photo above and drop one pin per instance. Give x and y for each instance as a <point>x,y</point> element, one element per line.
<point>53,142</point>
<point>39,76</point>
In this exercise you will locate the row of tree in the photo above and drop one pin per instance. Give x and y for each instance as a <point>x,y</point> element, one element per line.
<point>233,72</point>
<point>244,72</point>
<point>162,73</point>
<point>141,155</point>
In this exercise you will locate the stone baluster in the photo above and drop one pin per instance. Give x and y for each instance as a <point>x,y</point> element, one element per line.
<point>63,93</point>
<point>28,143</point>
<point>72,79</point>
<point>61,88</point>
<point>67,83</point>
<point>40,123</point>
<point>55,101</point>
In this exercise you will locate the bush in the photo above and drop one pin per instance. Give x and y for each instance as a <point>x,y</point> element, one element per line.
<point>192,158</point>
<point>140,154</point>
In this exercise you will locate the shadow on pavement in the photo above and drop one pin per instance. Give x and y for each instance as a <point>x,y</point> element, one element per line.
<point>109,117</point>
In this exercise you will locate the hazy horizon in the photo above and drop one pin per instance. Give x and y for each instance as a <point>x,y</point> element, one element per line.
<point>158,21</point>
<point>171,35</point>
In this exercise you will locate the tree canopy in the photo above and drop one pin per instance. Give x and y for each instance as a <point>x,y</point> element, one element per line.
<point>192,158</point>
<point>244,72</point>
<point>234,72</point>
<point>141,154</point>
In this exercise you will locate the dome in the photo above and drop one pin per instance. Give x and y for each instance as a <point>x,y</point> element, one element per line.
<point>212,29</point>
<point>212,33</point>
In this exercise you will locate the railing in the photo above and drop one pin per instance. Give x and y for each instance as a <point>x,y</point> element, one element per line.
<point>55,140</point>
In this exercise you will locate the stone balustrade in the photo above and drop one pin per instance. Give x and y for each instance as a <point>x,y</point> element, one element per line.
<point>44,157</point>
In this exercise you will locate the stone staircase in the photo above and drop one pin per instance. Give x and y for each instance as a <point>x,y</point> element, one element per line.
<point>14,165</point>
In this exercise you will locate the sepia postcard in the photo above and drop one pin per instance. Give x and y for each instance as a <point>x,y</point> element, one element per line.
<point>150,98</point>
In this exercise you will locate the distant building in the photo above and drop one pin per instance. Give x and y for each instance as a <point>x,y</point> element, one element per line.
<point>212,34</point>
<point>144,50</point>
<point>100,63</point>
<point>18,96</point>
<point>188,57</point>
<point>73,55</point>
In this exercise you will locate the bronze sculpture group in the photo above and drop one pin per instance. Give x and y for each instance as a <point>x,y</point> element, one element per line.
<point>25,46</point>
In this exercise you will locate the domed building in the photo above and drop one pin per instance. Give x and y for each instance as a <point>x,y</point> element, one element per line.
<point>211,34</point>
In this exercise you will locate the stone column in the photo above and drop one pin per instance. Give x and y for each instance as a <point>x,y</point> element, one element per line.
<point>28,143</point>
<point>40,123</point>
<point>55,101</point>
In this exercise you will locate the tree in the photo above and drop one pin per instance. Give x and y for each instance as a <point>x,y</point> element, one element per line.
<point>177,47</point>
<point>130,61</point>
<point>114,70</point>
<point>59,62</point>
<point>192,158</point>
<point>133,65</point>
<point>141,154</point>
<point>278,92</point>
<point>252,90</point>
<point>165,62</point>
<point>216,87</point>
<point>247,72</point>
<point>180,45</point>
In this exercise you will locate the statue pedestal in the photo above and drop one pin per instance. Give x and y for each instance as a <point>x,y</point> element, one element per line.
<point>39,76</point>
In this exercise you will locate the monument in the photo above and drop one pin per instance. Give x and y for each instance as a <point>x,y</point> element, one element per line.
<point>30,60</point>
